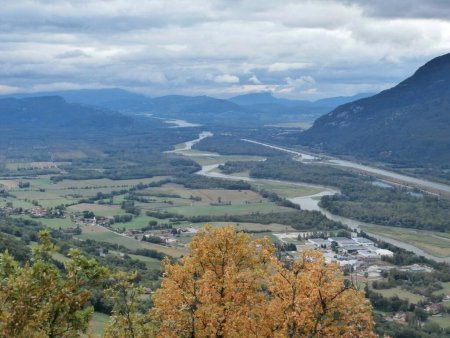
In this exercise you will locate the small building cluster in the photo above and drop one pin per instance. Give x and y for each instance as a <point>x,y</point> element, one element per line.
<point>35,212</point>
<point>104,221</point>
<point>170,236</point>
<point>347,252</point>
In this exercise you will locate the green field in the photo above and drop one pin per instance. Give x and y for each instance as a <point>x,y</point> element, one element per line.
<point>242,202</point>
<point>137,223</point>
<point>54,223</point>
<point>97,209</point>
<point>445,289</point>
<point>131,243</point>
<point>234,209</point>
<point>251,226</point>
<point>287,190</point>
<point>432,242</point>
<point>51,194</point>
<point>152,263</point>
<point>98,323</point>
<point>443,321</point>
<point>207,160</point>
<point>402,294</point>
<point>16,203</point>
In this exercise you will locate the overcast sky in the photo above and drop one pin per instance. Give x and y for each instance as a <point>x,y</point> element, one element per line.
<point>297,49</point>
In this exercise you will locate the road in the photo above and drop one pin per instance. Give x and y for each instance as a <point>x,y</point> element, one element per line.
<point>428,186</point>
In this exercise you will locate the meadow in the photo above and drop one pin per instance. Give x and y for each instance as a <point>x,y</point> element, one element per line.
<point>402,294</point>
<point>432,242</point>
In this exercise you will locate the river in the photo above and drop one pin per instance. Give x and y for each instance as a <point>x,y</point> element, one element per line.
<point>310,202</point>
<point>187,146</point>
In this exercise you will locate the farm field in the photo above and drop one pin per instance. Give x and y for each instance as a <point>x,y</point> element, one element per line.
<point>233,209</point>
<point>433,242</point>
<point>287,190</point>
<point>54,223</point>
<point>105,235</point>
<point>68,192</point>
<point>137,223</point>
<point>402,294</point>
<point>174,198</point>
<point>30,165</point>
<point>443,321</point>
<point>445,289</point>
<point>171,197</point>
<point>9,183</point>
<point>251,226</point>
<point>97,209</point>
<point>211,201</point>
<point>16,203</point>
<point>152,263</point>
<point>207,158</point>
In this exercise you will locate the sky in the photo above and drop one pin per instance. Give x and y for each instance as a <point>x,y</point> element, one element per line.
<point>295,49</point>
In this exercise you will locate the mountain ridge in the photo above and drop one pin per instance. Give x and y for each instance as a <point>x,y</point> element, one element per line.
<point>395,125</point>
<point>247,108</point>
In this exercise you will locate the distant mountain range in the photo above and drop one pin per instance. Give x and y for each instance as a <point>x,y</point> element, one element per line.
<point>257,108</point>
<point>110,98</point>
<point>407,124</point>
<point>54,113</point>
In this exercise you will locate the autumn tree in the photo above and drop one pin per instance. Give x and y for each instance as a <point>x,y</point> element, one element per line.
<point>231,286</point>
<point>217,290</point>
<point>38,300</point>
<point>310,298</point>
<point>127,321</point>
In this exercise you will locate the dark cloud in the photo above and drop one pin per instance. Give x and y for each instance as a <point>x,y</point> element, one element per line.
<point>74,53</point>
<point>429,9</point>
<point>299,49</point>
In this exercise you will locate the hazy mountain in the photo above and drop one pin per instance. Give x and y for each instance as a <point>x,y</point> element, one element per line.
<point>256,108</point>
<point>178,104</point>
<point>339,100</point>
<point>53,112</point>
<point>409,123</point>
<point>110,98</point>
<point>264,98</point>
<point>289,109</point>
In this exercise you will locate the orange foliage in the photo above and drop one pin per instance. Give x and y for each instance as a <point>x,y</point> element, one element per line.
<point>230,286</point>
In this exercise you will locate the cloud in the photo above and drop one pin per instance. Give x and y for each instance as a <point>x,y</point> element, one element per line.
<point>226,78</point>
<point>74,53</point>
<point>219,46</point>
<point>285,66</point>
<point>253,79</point>
<point>430,9</point>
<point>4,89</point>
<point>301,81</point>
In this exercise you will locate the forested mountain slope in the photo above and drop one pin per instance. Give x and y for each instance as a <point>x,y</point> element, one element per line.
<point>407,124</point>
